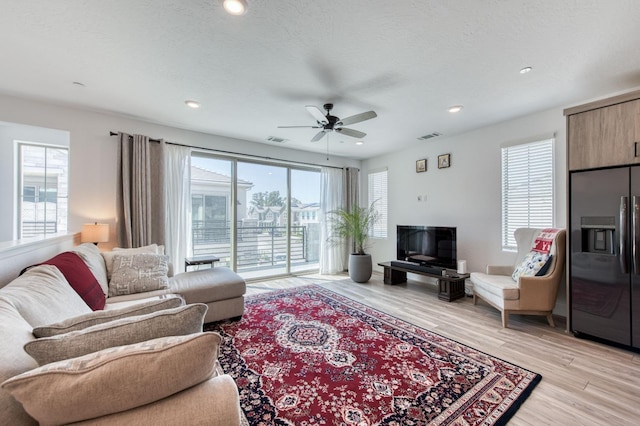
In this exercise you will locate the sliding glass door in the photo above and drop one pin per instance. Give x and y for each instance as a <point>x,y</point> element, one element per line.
<point>260,219</point>
<point>262,233</point>
<point>211,212</point>
<point>305,219</point>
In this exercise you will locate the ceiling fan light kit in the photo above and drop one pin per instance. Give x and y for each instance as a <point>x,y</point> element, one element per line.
<point>329,123</point>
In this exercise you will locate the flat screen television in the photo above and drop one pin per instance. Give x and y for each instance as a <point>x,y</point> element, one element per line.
<point>427,245</point>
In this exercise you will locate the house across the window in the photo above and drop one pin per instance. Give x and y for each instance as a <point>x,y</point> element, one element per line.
<point>44,177</point>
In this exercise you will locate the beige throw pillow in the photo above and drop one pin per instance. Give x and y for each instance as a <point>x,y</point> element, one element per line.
<point>169,322</point>
<point>100,317</point>
<point>109,255</point>
<point>115,379</point>
<point>138,273</point>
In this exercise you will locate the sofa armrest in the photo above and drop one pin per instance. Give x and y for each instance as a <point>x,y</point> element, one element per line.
<point>538,293</point>
<point>499,270</point>
<point>214,402</point>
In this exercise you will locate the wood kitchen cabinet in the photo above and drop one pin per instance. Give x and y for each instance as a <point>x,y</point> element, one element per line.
<point>604,133</point>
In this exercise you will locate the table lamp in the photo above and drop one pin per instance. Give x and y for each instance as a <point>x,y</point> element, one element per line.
<point>94,233</point>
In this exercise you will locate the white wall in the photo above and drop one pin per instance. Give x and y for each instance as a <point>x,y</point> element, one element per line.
<point>466,195</point>
<point>93,153</point>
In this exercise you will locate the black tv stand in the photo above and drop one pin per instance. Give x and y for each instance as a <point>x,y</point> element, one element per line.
<point>450,283</point>
<point>419,267</point>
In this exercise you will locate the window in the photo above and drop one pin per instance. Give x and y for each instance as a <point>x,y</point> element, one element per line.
<point>262,234</point>
<point>378,195</point>
<point>44,172</point>
<point>527,188</point>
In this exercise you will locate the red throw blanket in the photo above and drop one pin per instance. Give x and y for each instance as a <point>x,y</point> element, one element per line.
<point>543,241</point>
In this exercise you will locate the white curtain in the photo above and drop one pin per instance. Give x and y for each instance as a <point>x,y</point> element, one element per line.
<point>331,198</point>
<point>351,199</point>
<point>178,204</point>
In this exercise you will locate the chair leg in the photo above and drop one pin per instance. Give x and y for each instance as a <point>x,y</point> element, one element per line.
<point>505,319</point>
<point>550,320</point>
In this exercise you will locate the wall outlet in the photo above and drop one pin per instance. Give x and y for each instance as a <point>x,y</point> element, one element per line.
<point>419,198</point>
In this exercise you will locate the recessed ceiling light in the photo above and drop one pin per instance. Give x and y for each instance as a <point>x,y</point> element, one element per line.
<point>455,108</point>
<point>235,7</point>
<point>359,143</point>
<point>525,70</point>
<point>192,104</point>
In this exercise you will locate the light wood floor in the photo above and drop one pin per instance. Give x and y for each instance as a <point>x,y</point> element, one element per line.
<point>583,382</point>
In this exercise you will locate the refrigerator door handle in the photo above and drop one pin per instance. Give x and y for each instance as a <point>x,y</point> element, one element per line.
<point>624,205</point>
<point>635,233</point>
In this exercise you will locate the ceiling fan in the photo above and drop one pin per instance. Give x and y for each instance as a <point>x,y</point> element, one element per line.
<point>330,122</point>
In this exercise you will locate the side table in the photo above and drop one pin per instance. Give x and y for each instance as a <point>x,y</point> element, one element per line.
<point>200,260</point>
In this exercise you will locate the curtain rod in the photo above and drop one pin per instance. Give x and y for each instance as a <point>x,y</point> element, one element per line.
<point>238,153</point>
<point>116,134</point>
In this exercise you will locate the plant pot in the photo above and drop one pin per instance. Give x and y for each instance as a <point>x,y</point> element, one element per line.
<point>360,267</point>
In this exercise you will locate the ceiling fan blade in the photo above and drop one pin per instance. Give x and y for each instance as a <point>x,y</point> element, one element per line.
<point>317,114</point>
<point>357,118</point>
<point>318,136</point>
<point>299,127</point>
<point>351,132</point>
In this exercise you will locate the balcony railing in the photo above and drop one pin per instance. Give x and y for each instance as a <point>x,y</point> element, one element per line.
<point>34,229</point>
<point>258,247</point>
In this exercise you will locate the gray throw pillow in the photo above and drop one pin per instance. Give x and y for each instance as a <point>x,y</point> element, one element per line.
<point>108,255</point>
<point>115,379</point>
<point>138,273</point>
<point>100,317</point>
<point>169,322</point>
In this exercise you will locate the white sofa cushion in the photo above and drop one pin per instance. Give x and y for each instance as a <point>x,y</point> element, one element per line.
<point>15,331</point>
<point>43,296</point>
<point>500,286</point>
<point>91,255</point>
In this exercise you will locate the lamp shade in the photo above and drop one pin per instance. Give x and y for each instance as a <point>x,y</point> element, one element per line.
<point>95,233</point>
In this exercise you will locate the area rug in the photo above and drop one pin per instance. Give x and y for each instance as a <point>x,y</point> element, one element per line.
<point>308,356</point>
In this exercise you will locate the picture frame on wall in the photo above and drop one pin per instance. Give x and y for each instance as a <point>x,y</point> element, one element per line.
<point>444,161</point>
<point>421,165</point>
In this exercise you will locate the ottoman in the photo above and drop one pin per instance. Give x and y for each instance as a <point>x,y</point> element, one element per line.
<point>220,288</point>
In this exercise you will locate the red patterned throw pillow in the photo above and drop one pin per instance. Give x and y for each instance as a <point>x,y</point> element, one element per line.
<point>544,240</point>
<point>80,278</point>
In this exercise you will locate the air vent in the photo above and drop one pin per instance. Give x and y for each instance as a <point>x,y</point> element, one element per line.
<point>276,139</point>
<point>429,136</point>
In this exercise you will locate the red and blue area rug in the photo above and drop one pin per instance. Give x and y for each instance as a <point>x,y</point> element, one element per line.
<point>309,356</point>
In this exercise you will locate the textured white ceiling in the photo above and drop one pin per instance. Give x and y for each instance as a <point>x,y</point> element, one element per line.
<point>407,60</point>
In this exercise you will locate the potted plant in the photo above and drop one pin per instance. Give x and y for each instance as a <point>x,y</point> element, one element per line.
<point>353,226</point>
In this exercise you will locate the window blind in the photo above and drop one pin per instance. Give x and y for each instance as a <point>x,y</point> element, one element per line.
<point>378,194</point>
<point>527,188</point>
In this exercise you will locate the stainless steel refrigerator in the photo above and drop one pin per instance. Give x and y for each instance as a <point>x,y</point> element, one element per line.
<point>605,254</point>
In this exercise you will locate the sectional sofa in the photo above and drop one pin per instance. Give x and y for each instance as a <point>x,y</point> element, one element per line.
<point>89,343</point>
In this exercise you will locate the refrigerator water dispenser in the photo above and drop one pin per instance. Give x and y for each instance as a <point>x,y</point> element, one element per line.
<point>598,235</point>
